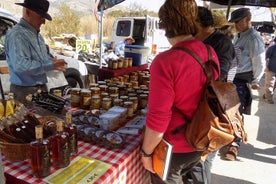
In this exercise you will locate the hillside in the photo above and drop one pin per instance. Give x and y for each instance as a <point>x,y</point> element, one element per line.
<point>81,6</point>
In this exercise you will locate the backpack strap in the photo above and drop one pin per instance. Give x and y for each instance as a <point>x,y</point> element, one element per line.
<point>207,67</point>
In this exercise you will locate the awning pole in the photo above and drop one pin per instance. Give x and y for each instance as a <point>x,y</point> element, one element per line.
<point>101,35</point>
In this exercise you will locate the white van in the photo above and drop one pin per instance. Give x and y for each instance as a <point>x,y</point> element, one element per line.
<point>145,31</point>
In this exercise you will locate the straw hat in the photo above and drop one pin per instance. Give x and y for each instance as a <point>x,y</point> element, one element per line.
<point>220,21</point>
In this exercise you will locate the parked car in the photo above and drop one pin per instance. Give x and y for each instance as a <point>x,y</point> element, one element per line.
<point>76,74</point>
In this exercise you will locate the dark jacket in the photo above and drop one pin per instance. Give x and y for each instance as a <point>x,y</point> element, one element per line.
<point>224,50</point>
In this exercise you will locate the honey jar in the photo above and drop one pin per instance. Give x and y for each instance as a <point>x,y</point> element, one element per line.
<point>124,98</point>
<point>75,97</point>
<point>113,90</point>
<point>125,63</point>
<point>129,60</point>
<point>106,103</point>
<point>95,91</point>
<point>143,100</point>
<point>85,101</point>
<point>122,90</point>
<point>103,88</point>
<point>120,63</point>
<point>114,65</point>
<point>134,100</point>
<point>95,102</point>
<point>129,106</point>
<point>118,102</point>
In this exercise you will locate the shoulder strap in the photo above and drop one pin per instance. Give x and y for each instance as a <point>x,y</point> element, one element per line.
<point>207,67</point>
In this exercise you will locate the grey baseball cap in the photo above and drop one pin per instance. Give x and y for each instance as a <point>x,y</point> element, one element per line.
<point>240,13</point>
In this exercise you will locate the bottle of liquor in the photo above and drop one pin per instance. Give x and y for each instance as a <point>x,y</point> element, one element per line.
<point>60,147</point>
<point>73,134</point>
<point>40,154</point>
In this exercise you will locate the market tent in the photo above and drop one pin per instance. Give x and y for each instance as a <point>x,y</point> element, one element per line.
<point>259,3</point>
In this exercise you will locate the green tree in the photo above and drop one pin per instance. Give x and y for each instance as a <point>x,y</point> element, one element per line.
<point>65,20</point>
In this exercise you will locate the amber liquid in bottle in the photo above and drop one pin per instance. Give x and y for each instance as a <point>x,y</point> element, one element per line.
<point>73,134</point>
<point>40,154</point>
<point>60,147</point>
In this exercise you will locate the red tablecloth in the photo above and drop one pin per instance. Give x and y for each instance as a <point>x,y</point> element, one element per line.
<point>107,73</point>
<point>126,165</point>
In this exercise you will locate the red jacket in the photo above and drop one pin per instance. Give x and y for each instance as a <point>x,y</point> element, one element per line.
<point>176,79</point>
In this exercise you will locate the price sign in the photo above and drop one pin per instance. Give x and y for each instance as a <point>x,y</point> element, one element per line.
<point>84,46</point>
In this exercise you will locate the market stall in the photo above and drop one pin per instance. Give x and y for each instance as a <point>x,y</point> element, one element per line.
<point>109,116</point>
<point>126,166</point>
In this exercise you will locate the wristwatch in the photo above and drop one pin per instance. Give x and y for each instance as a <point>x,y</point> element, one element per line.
<point>144,154</point>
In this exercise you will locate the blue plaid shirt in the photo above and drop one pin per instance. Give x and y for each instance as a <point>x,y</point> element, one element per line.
<point>27,55</point>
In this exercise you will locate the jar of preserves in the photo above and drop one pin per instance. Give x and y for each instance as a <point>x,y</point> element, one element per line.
<point>124,98</point>
<point>75,97</point>
<point>93,85</point>
<point>129,106</point>
<point>113,90</point>
<point>114,65</point>
<point>143,100</point>
<point>118,102</point>
<point>129,60</point>
<point>85,101</point>
<point>103,88</point>
<point>120,63</point>
<point>106,103</point>
<point>134,100</point>
<point>102,82</point>
<point>125,63</point>
<point>122,90</point>
<point>95,91</point>
<point>95,102</point>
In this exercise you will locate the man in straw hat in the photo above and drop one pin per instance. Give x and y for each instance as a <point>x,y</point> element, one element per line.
<point>26,51</point>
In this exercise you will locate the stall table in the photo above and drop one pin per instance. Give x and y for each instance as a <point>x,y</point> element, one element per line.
<point>126,166</point>
<point>107,73</point>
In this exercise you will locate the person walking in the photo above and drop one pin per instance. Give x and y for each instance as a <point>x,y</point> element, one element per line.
<point>177,79</point>
<point>270,73</point>
<point>212,36</point>
<point>224,48</point>
<point>26,52</point>
<point>251,67</point>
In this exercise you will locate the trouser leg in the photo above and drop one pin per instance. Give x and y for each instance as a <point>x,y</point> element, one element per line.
<point>269,84</point>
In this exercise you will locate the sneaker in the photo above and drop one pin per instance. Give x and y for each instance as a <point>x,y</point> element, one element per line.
<point>267,101</point>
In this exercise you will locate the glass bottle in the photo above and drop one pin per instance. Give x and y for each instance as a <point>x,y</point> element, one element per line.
<point>73,134</point>
<point>40,154</point>
<point>60,147</point>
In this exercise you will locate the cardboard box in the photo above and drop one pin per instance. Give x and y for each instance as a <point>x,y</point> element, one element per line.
<point>138,53</point>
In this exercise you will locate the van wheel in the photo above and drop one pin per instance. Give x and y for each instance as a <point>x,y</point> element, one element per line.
<point>73,77</point>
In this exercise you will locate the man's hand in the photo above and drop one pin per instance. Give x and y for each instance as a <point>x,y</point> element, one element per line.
<point>59,64</point>
<point>255,86</point>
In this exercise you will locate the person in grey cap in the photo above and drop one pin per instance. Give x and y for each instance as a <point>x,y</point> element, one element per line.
<point>251,67</point>
<point>26,52</point>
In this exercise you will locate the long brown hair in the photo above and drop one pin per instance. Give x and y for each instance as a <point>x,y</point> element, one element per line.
<point>178,17</point>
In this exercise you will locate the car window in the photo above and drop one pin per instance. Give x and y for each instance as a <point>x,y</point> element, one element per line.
<point>5,25</point>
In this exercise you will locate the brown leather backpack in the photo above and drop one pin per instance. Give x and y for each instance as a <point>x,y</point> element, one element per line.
<point>217,121</point>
